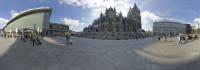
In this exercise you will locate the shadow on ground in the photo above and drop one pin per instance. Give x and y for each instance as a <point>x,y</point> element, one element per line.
<point>23,56</point>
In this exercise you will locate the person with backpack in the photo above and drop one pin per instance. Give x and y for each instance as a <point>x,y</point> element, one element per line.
<point>35,39</point>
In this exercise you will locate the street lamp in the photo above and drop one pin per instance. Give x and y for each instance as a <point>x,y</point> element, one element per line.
<point>197,29</point>
<point>198,24</point>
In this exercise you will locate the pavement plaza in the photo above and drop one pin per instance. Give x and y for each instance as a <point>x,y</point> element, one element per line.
<point>92,54</point>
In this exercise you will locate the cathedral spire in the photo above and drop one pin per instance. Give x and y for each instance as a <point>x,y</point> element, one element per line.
<point>120,14</point>
<point>135,6</point>
<point>106,10</point>
<point>129,11</point>
<point>110,7</point>
<point>101,15</point>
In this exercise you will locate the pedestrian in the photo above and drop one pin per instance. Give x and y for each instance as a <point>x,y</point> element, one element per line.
<point>180,38</point>
<point>35,39</point>
<point>23,37</point>
<point>165,37</point>
<point>2,34</point>
<point>67,36</point>
<point>38,39</point>
<point>184,38</point>
<point>159,38</point>
<point>136,36</point>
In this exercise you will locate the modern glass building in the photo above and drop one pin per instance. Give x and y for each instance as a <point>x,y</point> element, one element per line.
<point>57,29</point>
<point>167,27</point>
<point>34,19</point>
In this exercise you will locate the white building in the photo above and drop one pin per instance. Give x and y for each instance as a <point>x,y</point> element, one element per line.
<point>167,27</point>
<point>197,25</point>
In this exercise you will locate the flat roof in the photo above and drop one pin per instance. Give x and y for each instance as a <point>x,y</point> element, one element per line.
<point>58,24</point>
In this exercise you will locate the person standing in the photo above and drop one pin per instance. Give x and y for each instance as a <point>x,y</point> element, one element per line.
<point>159,37</point>
<point>67,36</point>
<point>180,38</point>
<point>1,33</point>
<point>136,36</point>
<point>33,38</point>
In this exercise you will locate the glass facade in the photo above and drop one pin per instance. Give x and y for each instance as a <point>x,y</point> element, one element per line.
<point>168,27</point>
<point>33,20</point>
<point>58,29</point>
<point>37,19</point>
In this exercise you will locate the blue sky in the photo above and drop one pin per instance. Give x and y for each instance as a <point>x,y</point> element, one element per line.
<point>80,13</point>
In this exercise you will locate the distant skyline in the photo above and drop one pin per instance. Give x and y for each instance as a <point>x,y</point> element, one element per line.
<point>80,13</point>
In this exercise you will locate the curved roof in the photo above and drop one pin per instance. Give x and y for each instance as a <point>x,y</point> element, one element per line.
<point>27,12</point>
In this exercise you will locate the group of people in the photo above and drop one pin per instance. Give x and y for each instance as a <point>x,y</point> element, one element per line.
<point>187,37</point>
<point>165,36</point>
<point>32,36</point>
<point>183,38</point>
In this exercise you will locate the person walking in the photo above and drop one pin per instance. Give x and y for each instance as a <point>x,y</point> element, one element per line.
<point>23,37</point>
<point>38,39</point>
<point>180,38</point>
<point>165,37</point>
<point>33,38</point>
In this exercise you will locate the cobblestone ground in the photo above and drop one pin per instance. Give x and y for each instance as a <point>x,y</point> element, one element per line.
<point>84,54</point>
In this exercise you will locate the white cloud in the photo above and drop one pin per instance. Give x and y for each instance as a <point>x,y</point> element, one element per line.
<point>197,23</point>
<point>147,20</point>
<point>3,22</point>
<point>98,6</point>
<point>197,20</point>
<point>73,24</point>
<point>14,13</point>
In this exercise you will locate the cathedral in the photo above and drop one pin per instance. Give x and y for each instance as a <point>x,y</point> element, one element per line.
<point>111,21</point>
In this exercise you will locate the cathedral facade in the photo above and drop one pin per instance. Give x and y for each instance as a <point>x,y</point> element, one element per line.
<point>111,21</point>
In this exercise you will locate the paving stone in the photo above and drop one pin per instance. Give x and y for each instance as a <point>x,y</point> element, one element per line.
<point>84,54</point>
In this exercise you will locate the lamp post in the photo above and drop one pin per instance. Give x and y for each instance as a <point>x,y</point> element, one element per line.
<point>16,32</point>
<point>198,24</point>
<point>197,29</point>
<point>34,27</point>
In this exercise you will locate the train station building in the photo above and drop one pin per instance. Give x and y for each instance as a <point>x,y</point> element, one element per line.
<point>37,19</point>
